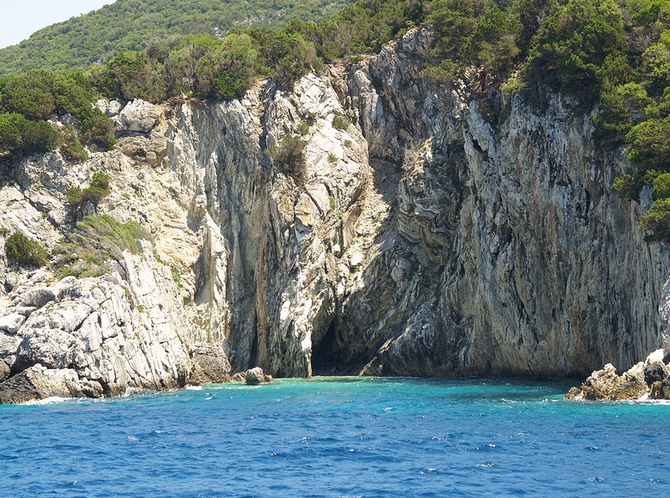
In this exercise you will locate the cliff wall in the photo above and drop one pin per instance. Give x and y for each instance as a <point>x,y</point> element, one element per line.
<point>428,237</point>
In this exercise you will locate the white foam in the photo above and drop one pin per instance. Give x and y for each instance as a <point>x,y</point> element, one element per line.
<point>48,401</point>
<point>194,388</point>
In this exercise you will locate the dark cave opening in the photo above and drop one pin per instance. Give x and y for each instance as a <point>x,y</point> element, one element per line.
<point>324,361</point>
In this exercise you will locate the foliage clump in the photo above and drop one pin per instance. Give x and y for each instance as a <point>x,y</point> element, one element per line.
<point>94,193</point>
<point>24,250</point>
<point>95,242</point>
<point>341,121</point>
<point>289,156</point>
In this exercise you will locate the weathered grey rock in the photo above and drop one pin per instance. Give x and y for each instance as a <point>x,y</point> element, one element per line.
<point>255,376</point>
<point>655,371</point>
<point>38,383</point>
<point>4,370</point>
<point>239,377</point>
<point>138,116</point>
<point>12,322</point>
<point>210,364</point>
<point>115,332</point>
<point>38,298</point>
<point>110,108</point>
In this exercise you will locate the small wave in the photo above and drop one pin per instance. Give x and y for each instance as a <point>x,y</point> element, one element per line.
<point>194,388</point>
<point>48,401</point>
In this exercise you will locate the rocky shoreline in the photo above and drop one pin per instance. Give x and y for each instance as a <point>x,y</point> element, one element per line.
<point>647,380</point>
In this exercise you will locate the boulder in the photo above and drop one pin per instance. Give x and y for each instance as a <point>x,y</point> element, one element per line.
<point>210,363</point>
<point>255,376</point>
<point>38,383</point>
<point>655,357</point>
<point>574,393</point>
<point>12,322</point>
<point>138,116</point>
<point>38,298</point>
<point>110,108</point>
<point>8,346</point>
<point>239,377</point>
<point>651,378</point>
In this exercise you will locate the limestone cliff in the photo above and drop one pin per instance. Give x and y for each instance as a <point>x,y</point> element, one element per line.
<point>428,237</point>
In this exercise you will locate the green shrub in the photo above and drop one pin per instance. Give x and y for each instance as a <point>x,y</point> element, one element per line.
<point>573,44</point>
<point>627,187</point>
<point>94,193</point>
<point>472,33</point>
<point>303,128</point>
<point>71,146</point>
<point>289,155</point>
<point>132,75</point>
<point>95,241</point>
<point>650,144</point>
<point>100,180</point>
<point>341,121</point>
<point>661,186</point>
<point>19,135</point>
<point>657,221</point>
<point>25,251</point>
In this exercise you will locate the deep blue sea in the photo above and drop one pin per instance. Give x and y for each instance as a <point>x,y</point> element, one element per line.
<point>337,437</point>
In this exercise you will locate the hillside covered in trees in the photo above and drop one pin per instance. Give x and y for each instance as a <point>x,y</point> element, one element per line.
<point>130,24</point>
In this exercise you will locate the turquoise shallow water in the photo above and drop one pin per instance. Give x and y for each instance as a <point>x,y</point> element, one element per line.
<point>337,437</point>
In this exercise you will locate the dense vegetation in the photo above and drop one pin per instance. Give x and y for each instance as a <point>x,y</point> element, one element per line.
<point>96,37</point>
<point>611,53</point>
<point>27,102</point>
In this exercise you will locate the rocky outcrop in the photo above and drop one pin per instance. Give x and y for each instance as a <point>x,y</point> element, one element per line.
<point>137,116</point>
<point>256,376</point>
<point>210,363</point>
<point>645,380</point>
<point>438,234</point>
<point>38,382</point>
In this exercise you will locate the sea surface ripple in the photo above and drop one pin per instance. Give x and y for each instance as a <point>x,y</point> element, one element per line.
<point>337,437</point>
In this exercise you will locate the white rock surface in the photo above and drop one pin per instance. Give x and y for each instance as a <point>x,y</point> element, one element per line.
<point>138,116</point>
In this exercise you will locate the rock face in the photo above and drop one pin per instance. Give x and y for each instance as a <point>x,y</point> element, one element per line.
<point>436,235</point>
<point>645,380</point>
